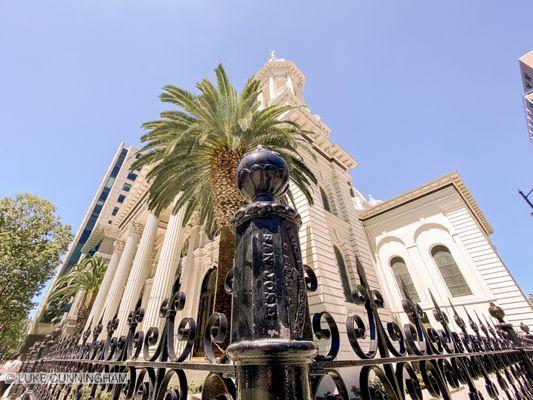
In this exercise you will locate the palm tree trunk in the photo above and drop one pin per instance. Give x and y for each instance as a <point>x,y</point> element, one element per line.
<point>227,200</point>
<point>83,313</point>
<point>226,250</point>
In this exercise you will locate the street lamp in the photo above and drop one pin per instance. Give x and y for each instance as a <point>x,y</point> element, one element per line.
<point>526,198</point>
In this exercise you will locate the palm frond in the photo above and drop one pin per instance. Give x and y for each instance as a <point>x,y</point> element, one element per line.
<point>184,148</point>
<point>86,275</point>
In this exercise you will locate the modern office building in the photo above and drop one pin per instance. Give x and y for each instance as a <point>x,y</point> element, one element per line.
<point>434,237</point>
<point>110,195</point>
<point>526,70</point>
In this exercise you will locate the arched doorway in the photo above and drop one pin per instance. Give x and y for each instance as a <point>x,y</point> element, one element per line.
<point>205,309</point>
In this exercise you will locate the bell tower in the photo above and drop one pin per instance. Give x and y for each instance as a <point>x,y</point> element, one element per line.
<point>282,80</point>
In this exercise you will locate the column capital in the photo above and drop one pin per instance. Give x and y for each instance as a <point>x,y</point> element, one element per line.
<point>135,228</point>
<point>118,245</point>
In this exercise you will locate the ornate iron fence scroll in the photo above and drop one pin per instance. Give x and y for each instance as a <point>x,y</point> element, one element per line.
<point>273,351</point>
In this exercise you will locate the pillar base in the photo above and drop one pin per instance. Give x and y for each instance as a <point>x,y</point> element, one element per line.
<point>271,369</point>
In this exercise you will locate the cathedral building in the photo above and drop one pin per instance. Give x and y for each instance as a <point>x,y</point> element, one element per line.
<point>432,238</point>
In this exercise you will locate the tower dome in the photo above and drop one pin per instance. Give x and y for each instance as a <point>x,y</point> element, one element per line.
<point>280,76</point>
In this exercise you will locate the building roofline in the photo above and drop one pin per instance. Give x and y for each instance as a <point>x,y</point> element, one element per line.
<point>526,58</point>
<point>280,63</point>
<point>450,179</point>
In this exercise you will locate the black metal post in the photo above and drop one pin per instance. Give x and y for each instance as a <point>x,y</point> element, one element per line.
<point>508,330</point>
<point>271,337</point>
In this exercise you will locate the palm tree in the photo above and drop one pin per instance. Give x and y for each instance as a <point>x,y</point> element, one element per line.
<point>194,151</point>
<point>86,276</point>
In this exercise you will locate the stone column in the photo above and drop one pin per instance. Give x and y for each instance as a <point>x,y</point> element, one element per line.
<point>189,275</point>
<point>271,88</point>
<point>119,280</point>
<point>166,269</point>
<point>138,274</point>
<point>99,301</point>
<point>71,318</point>
<point>146,295</point>
<point>76,303</point>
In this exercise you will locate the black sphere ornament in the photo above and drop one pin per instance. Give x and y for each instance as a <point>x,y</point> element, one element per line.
<point>263,174</point>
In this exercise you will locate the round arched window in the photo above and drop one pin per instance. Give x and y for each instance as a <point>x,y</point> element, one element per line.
<point>403,279</point>
<point>454,279</point>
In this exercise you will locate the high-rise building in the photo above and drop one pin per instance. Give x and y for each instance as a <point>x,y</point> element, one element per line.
<point>434,237</point>
<point>526,69</point>
<point>110,195</point>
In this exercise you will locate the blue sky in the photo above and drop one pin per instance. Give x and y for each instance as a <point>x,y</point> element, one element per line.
<point>412,89</point>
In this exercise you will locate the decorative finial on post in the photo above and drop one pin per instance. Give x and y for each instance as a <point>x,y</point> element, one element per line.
<point>497,312</point>
<point>271,338</point>
<point>509,332</point>
<point>263,175</point>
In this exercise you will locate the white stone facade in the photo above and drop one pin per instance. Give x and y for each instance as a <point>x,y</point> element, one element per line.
<point>442,213</point>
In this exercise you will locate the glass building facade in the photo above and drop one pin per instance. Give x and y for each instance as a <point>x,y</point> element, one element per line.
<point>89,225</point>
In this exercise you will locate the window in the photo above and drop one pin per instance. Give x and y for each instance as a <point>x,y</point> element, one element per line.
<point>345,280</point>
<point>115,211</point>
<point>450,272</point>
<point>76,253</point>
<point>126,187</point>
<point>325,200</point>
<point>403,278</point>
<point>121,198</point>
<point>109,182</point>
<point>132,176</point>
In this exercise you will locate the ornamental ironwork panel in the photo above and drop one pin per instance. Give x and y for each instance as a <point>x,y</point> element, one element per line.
<point>274,341</point>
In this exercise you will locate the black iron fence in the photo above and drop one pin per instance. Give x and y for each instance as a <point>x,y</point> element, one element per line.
<point>274,342</point>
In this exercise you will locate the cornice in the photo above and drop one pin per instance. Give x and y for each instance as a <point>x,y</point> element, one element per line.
<point>279,63</point>
<point>320,141</point>
<point>98,233</point>
<point>451,179</point>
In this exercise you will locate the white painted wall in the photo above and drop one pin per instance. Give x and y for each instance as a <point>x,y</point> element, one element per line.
<point>442,218</point>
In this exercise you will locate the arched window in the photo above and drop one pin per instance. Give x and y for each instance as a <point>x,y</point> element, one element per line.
<point>205,309</point>
<point>403,278</point>
<point>345,280</point>
<point>325,200</point>
<point>450,272</point>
